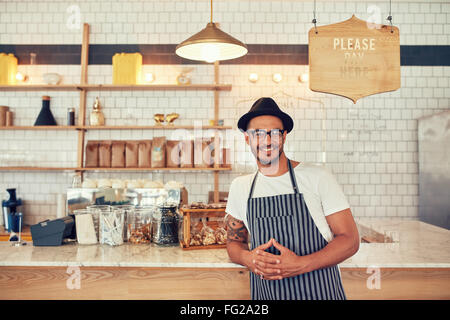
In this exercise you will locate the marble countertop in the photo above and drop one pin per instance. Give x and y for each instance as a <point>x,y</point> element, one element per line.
<point>416,245</point>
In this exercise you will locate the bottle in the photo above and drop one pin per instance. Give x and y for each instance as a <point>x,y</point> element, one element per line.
<point>97,118</point>
<point>71,116</point>
<point>45,117</point>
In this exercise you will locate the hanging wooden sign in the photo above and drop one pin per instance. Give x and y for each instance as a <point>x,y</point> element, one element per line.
<point>354,59</point>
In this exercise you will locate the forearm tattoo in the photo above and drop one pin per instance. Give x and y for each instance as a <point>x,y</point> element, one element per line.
<point>236,230</point>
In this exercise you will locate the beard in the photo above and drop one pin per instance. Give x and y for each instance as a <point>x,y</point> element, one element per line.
<point>267,157</point>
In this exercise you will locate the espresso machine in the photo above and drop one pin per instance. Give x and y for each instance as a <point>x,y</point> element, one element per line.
<point>12,217</point>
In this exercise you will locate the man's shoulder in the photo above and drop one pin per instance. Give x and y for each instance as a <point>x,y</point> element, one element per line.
<point>311,171</point>
<point>242,181</point>
<point>310,167</point>
<point>237,196</point>
<point>243,178</point>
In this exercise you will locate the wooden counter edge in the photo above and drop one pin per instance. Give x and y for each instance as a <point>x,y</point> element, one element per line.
<point>212,283</point>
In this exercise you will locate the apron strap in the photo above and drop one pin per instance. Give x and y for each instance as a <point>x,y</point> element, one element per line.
<point>293,179</point>
<point>291,174</point>
<point>253,185</point>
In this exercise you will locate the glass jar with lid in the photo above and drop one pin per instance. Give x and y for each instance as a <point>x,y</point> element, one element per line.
<point>139,225</point>
<point>165,225</point>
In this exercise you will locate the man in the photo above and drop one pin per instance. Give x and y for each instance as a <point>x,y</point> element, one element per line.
<point>298,219</point>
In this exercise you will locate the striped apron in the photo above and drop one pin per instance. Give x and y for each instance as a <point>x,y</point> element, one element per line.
<point>286,218</point>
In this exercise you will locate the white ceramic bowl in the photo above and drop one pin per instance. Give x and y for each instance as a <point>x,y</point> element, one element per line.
<point>51,78</point>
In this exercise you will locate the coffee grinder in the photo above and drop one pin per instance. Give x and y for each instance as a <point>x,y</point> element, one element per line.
<point>12,219</point>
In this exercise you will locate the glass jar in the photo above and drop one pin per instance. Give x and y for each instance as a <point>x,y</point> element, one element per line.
<point>111,227</point>
<point>128,212</point>
<point>165,225</point>
<point>96,209</point>
<point>86,225</point>
<point>139,225</point>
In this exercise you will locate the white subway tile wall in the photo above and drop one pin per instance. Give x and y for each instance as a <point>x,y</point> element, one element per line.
<point>370,146</point>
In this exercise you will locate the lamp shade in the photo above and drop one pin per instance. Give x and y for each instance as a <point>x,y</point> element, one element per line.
<point>211,44</point>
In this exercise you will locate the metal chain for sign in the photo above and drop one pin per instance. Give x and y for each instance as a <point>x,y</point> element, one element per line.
<point>389,18</point>
<point>314,20</point>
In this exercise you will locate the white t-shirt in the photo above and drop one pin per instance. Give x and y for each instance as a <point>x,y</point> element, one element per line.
<point>320,190</point>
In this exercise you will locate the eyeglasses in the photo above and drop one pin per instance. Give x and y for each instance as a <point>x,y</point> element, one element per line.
<point>261,133</point>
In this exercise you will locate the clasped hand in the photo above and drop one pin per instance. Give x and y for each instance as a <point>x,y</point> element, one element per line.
<point>276,267</point>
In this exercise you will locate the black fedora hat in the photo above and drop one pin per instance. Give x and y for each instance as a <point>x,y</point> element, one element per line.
<point>266,107</point>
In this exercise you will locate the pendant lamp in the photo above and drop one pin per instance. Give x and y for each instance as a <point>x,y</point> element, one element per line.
<point>211,44</point>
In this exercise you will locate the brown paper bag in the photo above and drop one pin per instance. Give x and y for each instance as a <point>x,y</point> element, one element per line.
<point>203,152</point>
<point>173,154</point>
<point>183,196</point>
<point>118,154</point>
<point>158,153</point>
<point>131,154</point>
<point>3,111</point>
<point>104,154</point>
<point>145,151</point>
<point>225,160</point>
<point>187,154</point>
<point>91,158</point>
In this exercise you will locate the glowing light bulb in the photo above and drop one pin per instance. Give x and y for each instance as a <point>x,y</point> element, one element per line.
<point>277,77</point>
<point>19,76</point>
<point>304,78</point>
<point>149,77</point>
<point>210,53</point>
<point>253,77</point>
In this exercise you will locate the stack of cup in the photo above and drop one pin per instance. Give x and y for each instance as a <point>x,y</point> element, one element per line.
<point>111,223</point>
<point>128,212</point>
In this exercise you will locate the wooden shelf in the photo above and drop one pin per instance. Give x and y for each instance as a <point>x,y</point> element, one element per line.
<point>39,87</point>
<point>40,128</point>
<point>114,87</point>
<point>197,210</point>
<point>165,127</point>
<point>37,169</point>
<point>187,127</point>
<point>154,169</point>
<point>109,169</point>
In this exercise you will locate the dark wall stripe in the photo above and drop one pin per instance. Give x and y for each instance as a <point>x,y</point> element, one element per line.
<point>425,55</point>
<point>165,54</point>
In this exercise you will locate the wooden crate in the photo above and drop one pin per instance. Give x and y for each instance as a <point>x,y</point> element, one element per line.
<point>188,215</point>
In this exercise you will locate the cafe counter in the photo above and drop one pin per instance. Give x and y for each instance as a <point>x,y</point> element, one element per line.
<point>415,264</point>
